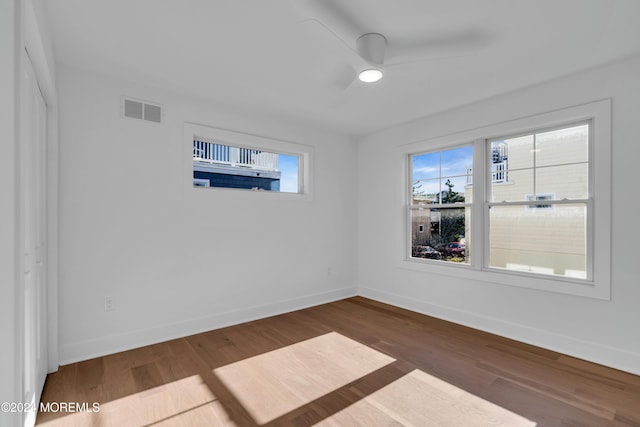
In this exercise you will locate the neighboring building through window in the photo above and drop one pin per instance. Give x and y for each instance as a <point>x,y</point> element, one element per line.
<point>201,182</point>
<point>439,198</point>
<point>550,165</point>
<point>539,198</point>
<point>499,162</point>
<point>235,167</point>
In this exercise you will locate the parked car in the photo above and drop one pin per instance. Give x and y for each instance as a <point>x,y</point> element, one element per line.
<point>455,249</point>
<point>426,252</point>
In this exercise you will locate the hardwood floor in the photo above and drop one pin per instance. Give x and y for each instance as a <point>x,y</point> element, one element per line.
<point>351,362</point>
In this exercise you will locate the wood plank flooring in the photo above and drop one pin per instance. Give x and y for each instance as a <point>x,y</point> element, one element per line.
<point>350,362</point>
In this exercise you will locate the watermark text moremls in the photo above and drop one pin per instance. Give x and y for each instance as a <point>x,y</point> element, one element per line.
<point>69,407</point>
<point>66,407</point>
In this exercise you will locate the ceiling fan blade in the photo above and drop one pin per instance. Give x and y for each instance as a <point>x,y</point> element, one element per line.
<point>341,76</point>
<point>320,31</point>
<point>346,94</point>
<point>331,13</point>
<point>462,44</point>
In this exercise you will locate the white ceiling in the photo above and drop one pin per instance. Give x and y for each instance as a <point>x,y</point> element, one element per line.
<point>259,55</point>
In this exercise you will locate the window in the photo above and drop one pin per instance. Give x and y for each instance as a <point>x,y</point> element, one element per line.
<point>550,165</point>
<point>224,159</point>
<point>523,203</point>
<point>440,196</point>
<point>238,167</point>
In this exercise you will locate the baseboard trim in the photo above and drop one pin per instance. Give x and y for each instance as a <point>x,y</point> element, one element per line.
<point>592,352</point>
<point>84,350</point>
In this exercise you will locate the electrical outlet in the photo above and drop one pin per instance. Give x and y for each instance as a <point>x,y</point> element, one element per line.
<point>108,304</point>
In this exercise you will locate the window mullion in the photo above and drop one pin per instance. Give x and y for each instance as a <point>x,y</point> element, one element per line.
<point>535,170</point>
<point>477,207</point>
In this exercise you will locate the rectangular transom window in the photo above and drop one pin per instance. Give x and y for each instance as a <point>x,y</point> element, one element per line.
<point>522,203</point>
<point>246,168</point>
<point>225,159</point>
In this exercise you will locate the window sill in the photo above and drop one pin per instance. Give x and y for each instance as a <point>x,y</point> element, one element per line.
<point>251,194</point>
<point>559,285</point>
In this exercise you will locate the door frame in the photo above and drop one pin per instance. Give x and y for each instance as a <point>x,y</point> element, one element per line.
<point>37,43</point>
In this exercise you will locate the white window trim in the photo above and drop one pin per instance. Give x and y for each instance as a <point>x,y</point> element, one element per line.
<point>245,140</point>
<point>599,286</point>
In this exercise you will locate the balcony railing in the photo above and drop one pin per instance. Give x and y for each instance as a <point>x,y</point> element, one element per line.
<point>499,173</point>
<point>234,156</point>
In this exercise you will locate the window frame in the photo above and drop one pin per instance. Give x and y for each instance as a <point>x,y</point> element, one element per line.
<point>529,205</point>
<point>445,206</point>
<point>253,142</point>
<point>598,222</point>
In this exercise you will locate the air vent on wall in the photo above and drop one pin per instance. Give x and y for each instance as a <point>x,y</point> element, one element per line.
<point>142,110</point>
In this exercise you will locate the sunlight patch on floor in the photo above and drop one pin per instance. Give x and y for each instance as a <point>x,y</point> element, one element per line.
<point>419,399</point>
<point>274,383</point>
<point>186,402</point>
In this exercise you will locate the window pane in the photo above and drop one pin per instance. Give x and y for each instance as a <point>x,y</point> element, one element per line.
<point>518,152</point>
<point>513,189</point>
<point>289,173</point>
<point>426,191</point>
<point>457,161</point>
<point>539,240</point>
<point>430,172</point>
<point>440,233</point>
<point>453,190</point>
<point>439,178</point>
<point>568,145</point>
<point>567,182</point>
<point>426,166</point>
<point>237,167</point>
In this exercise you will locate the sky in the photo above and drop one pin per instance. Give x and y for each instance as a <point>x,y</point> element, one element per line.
<point>288,166</point>
<point>432,170</point>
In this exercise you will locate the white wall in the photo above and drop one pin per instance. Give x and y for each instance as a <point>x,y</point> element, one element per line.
<point>178,260</point>
<point>176,265</point>
<point>10,390</point>
<point>598,330</point>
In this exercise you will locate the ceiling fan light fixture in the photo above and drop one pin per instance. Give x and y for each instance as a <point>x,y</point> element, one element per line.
<point>370,75</point>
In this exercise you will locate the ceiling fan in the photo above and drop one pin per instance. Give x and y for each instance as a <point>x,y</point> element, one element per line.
<point>370,54</point>
<point>368,57</point>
